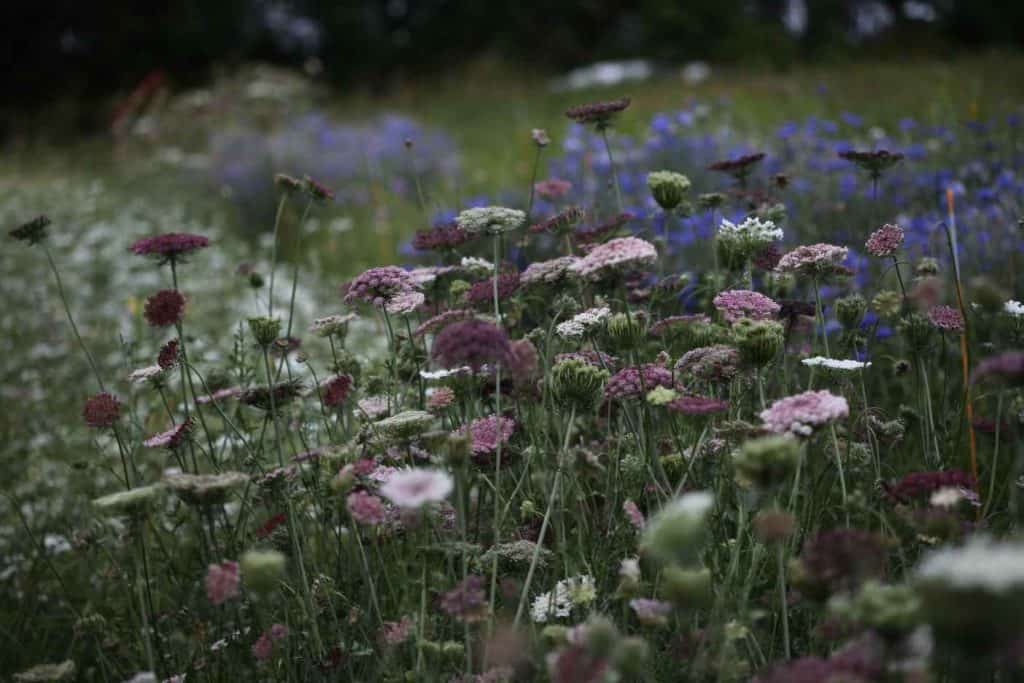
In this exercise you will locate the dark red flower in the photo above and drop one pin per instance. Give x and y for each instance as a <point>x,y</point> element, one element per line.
<point>739,167</point>
<point>471,342</point>
<point>561,221</point>
<point>170,246</point>
<point>841,559</point>
<point>482,293</point>
<point>101,410</point>
<point>918,487</point>
<point>164,308</point>
<point>875,162</point>
<point>598,113</point>
<point>316,190</point>
<point>268,526</point>
<point>33,231</point>
<point>336,390</point>
<point>169,354</point>
<point>697,405</point>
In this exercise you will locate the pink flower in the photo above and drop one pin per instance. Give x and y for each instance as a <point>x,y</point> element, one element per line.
<point>396,632</point>
<point>885,241</point>
<point>651,612</point>
<point>170,246</point>
<point>636,518</point>
<point>414,487</point>
<point>263,648</point>
<point>172,438</point>
<point>101,410</point>
<point>946,318</point>
<point>487,432</point>
<point>366,508</point>
<point>622,253</point>
<point>222,582</point>
<point>697,405</point>
<point>814,260</point>
<point>552,188</point>
<point>800,414</point>
<point>441,320</point>
<point>405,302</point>
<point>734,304</point>
<point>440,398</point>
<point>718,363</point>
<point>632,382</point>
<point>380,286</point>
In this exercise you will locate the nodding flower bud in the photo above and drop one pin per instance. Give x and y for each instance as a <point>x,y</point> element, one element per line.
<point>850,310</point>
<point>767,462</point>
<point>262,570</point>
<point>576,384</point>
<point>759,341</point>
<point>917,330</point>
<point>928,266</point>
<point>676,534</point>
<point>887,303</point>
<point>265,330</point>
<point>626,332</point>
<point>668,188</point>
<point>540,137</point>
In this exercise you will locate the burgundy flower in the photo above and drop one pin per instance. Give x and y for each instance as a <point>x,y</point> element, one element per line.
<point>33,232</point>
<point>442,320</point>
<point>738,167</point>
<point>101,410</point>
<point>598,113</point>
<point>560,222</point>
<point>482,293</point>
<point>336,390</point>
<point>222,582</point>
<point>697,405</point>
<point>378,286</point>
<point>467,602</point>
<point>164,308</point>
<point>471,342</point>
<point>594,233</point>
<point>768,258</point>
<point>169,354</point>
<point>632,382</point>
<point>875,162</point>
<point>440,238</point>
<point>170,246</point>
<point>917,487</point>
<point>316,190</point>
<point>841,559</point>
<point>268,526</point>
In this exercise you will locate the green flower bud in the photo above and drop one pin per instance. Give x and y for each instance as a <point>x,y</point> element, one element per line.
<point>262,570</point>
<point>892,611</point>
<point>554,635</point>
<point>668,188</point>
<point>659,396</point>
<point>928,266</point>
<point>453,650</point>
<point>850,310</point>
<point>711,200</point>
<point>630,656</point>
<point>887,303</point>
<point>574,383</point>
<point>134,502</point>
<point>768,461</point>
<point>403,426</point>
<point>625,332</point>
<point>458,288</point>
<point>687,588</point>
<point>265,330</point>
<point>758,341</point>
<point>601,634</point>
<point>677,532</point>
<point>917,330</point>
<point>986,293</point>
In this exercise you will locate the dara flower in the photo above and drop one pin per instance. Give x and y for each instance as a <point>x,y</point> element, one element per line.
<point>615,256</point>
<point>482,293</point>
<point>170,247</point>
<point>946,318</point>
<point>471,342</point>
<point>1006,367</point>
<point>336,389</point>
<point>973,595</point>
<point>885,241</point>
<point>839,560</point>
<point>714,364</point>
<point>835,364</point>
<point>315,190</point>
<point>552,188</point>
<point>803,413</point>
<point>594,233</point>
<point>445,237</point>
<point>582,323</point>
<point>747,238</point>
<point>380,286</point>
<point>490,220</point>
<point>487,433</point>
<point>332,325</point>
<point>204,489</point>
<point>918,487</point>
<point>169,354</point>
<point>651,612</point>
<point>575,591</point>
<point>668,188</point>
<point>171,438</point>
<point>559,223</point>
<point>413,488</point>
<point>164,308</point>
<point>551,272</point>
<point>875,162</point>
<point>1014,308</point>
<point>32,232</point>
<point>467,601</point>
<point>813,260</point>
<point>633,382</point>
<point>101,410</point>
<point>222,582</point>
<point>150,373</point>
<point>739,168</point>
<point>676,533</point>
<point>366,508</point>
<point>600,114</point>
<point>735,304</point>
<point>697,406</point>
<point>131,502</point>
<point>441,320</point>
<point>405,303</point>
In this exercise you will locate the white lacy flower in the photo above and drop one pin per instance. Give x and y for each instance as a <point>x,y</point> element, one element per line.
<point>835,363</point>
<point>1014,308</point>
<point>143,375</point>
<point>491,220</point>
<point>582,323</point>
<point>404,303</point>
<point>981,564</point>
<point>414,487</point>
<point>443,374</point>
<point>567,593</point>
<point>475,264</point>
<point>752,231</point>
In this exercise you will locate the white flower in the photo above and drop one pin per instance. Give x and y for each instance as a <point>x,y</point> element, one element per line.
<point>143,375</point>
<point>413,488</point>
<point>947,497</point>
<point>1014,308</point>
<point>981,564</point>
<point>406,302</point>
<point>443,374</point>
<point>567,593</point>
<point>752,231</point>
<point>835,363</point>
<point>582,323</point>
<point>473,263</point>
<point>491,220</point>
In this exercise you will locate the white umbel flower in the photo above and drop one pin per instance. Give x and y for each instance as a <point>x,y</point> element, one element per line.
<point>1014,308</point>
<point>752,231</point>
<point>581,323</point>
<point>490,220</point>
<point>841,364</point>
<point>981,564</point>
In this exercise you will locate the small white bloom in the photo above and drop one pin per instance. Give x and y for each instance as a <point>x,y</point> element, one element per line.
<point>435,375</point>
<point>491,220</point>
<point>844,365</point>
<point>413,488</point>
<point>981,564</point>
<point>752,230</point>
<point>475,264</point>
<point>582,323</point>
<point>946,497</point>
<point>1014,308</point>
<point>143,375</point>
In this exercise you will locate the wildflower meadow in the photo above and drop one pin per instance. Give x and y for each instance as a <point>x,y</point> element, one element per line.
<point>692,404</point>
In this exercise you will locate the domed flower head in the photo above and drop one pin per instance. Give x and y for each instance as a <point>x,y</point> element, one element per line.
<point>582,323</point>
<point>668,188</point>
<point>405,303</point>
<point>946,318</point>
<point>445,237</point>
<point>577,384</point>
<point>335,390</point>
<point>735,304</point>
<point>713,364</point>
<point>171,439</point>
<point>840,560</point>
<point>490,220</point>
<point>442,320</point>
<point>169,355</point>
<point>885,241</point>
<point>551,272</point>
<point>600,114</point>
<point>918,487</point>
<point>560,223</point>
<point>697,406</point>
<point>739,167</point>
<point>332,325</point>
<point>380,286</point>
<point>737,243</point>
<point>366,508</point>
<point>1007,367</point>
<point>471,342</point>
<point>875,162</point>
<point>164,308</point>
<point>204,489</point>
<point>814,260</point>
<point>169,247</point>
<point>552,188</point>
<point>413,488</point>
<point>222,582</point>
<point>615,257</point>
<point>803,413</point>
<point>633,382</point>
<point>486,433</point>
<point>32,232</point>
<point>676,533</point>
<point>101,410</point>
<point>406,425</point>
<point>134,501</point>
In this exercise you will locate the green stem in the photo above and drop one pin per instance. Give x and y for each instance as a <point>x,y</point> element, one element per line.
<point>71,319</point>
<point>273,258</point>
<point>615,173</point>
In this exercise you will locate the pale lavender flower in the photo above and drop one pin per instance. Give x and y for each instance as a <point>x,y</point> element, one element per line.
<point>413,488</point>
<point>802,413</point>
<point>734,304</point>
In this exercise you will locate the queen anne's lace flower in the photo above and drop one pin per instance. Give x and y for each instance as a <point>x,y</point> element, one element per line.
<point>559,602</point>
<point>734,304</point>
<point>840,364</point>
<point>380,286</point>
<point>1014,308</point>
<point>802,413</point>
<point>885,241</point>
<point>581,323</point>
<point>813,259</point>
<point>622,253</point>
<point>413,488</point>
<point>632,382</point>
<point>548,272</point>
<point>487,432</point>
<point>490,220</point>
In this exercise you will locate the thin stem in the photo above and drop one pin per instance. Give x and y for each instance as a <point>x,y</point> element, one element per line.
<point>821,318</point>
<point>839,467</point>
<point>273,258</point>
<point>533,181</point>
<point>780,569</point>
<point>615,173</point>
<point>71,319</point>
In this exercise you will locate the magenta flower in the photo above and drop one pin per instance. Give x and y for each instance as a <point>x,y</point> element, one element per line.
<point>634,515</point>
<point>471,342</point>
<point>946,318</point>
<point>396,632</point>
<point>885,241</point>
<point>734,304</point>
<point>467,602</point>
<point>1008,366</point>
<point>697,405</point>
<point>164,308</point>
<point>379,286</point>
<point>917,487</point>
<point>552,188</point>
<point>222,582</point>
<point>169,354</point>
<point>263,648</point>
<point>172,246</point>
<point>101,410</point>
<point>366,508</point>
<point>486,433</point>
<point>802,413</point>
<point>440,398</point>
<point>440,238</point>
<point>482,293</point>
<point>336,390</point>
<point>632,382</point>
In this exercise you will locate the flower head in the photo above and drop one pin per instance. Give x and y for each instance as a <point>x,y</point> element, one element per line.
<point>169,354</point>
<point>413,488</point>
<point>444,237</point>
<point>802,413</point>
<point>835,364</point>
<point>336,389</point>
<point>101,410</point>
<point>715,364</point>
<point>32,232</point>
<point>735,304</point>
<point>471,342</point>
<point>1008,367</point>
<point>467,602</point>
<point>172,246</point>
<point>559,223</point>
<point>487,433</point>
<point>583,323</point>
<point>164,308</point>
<point>668,188</point>
<point>171,438</point>
<point>633,382</point>
<point>380,286</point>
<point>366,508</point>
<point>946,318</point>
<point>615,256</point>
<point>739,167</point>
<point>601,114</point>
<point>551,272</point>
<point>490,220</point>
<point>885,241</point>
<point>874,162</point>
<point>552,188</point>
<point>814,260</point>
<point>222,582</point>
